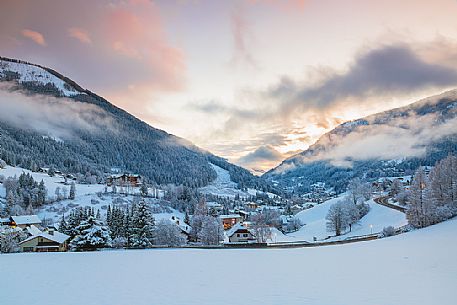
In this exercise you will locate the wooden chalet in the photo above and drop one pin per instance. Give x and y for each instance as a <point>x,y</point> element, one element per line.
<point>124,180</point>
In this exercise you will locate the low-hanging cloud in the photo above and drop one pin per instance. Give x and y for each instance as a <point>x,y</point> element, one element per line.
<point>398,138</point>
<point>58,118</point>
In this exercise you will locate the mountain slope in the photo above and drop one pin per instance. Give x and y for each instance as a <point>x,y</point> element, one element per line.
<point>390,143</point>
<point>50,121</point>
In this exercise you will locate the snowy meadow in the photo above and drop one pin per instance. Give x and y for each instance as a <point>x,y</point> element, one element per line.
<point>414,268</point>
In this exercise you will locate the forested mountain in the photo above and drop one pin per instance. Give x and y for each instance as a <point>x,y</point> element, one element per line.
<point>47,120</point>
<point>391,143</point>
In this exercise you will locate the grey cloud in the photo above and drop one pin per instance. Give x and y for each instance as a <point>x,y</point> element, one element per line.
<point>391,69</point>
<point>263,153</point>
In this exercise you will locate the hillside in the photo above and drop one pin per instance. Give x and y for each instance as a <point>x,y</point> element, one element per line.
<point>410,269</point>
<point>391,143</point>
<point>48,120</point>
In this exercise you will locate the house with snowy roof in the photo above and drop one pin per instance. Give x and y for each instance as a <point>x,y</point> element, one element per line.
<point>230,220</point>
<point>239,233</point>
<point>44,241</point>
<point>24,221</point>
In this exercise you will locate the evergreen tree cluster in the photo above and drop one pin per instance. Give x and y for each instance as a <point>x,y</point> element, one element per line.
<point>23,194</point>
<point>126,227</point>
<point>433,197</point>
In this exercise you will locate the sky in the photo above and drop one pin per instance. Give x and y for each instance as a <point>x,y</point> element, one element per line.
<point>254,81</point>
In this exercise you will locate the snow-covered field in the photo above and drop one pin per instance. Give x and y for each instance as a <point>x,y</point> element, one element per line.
<point>413,268</point>
<point>315,223</point>
<point>51,182</point>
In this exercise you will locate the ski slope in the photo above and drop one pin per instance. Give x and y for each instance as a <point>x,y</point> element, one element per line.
<point>224,186</point>
<point>410,269</point>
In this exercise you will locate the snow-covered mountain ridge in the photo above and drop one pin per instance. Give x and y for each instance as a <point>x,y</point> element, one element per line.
<point>388,143</point>
<point>22,72</point>
<point>40,105</point>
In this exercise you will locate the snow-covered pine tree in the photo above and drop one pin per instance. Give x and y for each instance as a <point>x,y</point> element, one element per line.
<point>142,226</point>
<point>72,191</point>
<point>91,235</point>
<point>63,226</point>
<point>42,193</point>
<point>144,190</point>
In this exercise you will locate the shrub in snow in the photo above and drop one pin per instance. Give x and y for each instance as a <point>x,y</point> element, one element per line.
<point>363,209</point>
<point>388,231</point>
<point>293,225</point>
<point>168,234</point>
<point>262,232</point>
<point>91,235</point>
<point>2,164</point>
<point>119,242</point>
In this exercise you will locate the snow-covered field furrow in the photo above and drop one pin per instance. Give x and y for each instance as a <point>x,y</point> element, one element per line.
<point>409,269</point>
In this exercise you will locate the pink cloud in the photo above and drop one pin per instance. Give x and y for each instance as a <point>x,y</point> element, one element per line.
<point>79,34</point>
<point>241,36</point>
<point>135,30</point>
<point>35,36</point>
<point>282,4</point>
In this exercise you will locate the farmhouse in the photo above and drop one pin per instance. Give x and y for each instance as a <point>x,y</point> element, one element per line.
<point>47,241</point>
<point>124,180</point>
<point>240,234</point>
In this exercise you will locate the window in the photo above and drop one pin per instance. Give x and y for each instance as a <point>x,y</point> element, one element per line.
<point>245,235</point>
<point>237,235</point>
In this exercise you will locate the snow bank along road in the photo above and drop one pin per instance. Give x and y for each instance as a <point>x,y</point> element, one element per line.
<point>413,268</point>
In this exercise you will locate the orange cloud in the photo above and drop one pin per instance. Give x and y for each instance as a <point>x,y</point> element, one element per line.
<point>35,36</point>
<point>79,34</point>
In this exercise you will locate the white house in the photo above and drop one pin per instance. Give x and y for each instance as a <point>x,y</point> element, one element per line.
<point>240,234</point>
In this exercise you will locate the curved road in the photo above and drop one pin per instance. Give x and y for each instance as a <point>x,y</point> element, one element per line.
<point>385,202</point>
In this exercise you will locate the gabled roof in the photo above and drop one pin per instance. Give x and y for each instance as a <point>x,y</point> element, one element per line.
<point>56,237</point>
<point>236,228</point>
<point>32,230</point>
<point>26,219</point>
